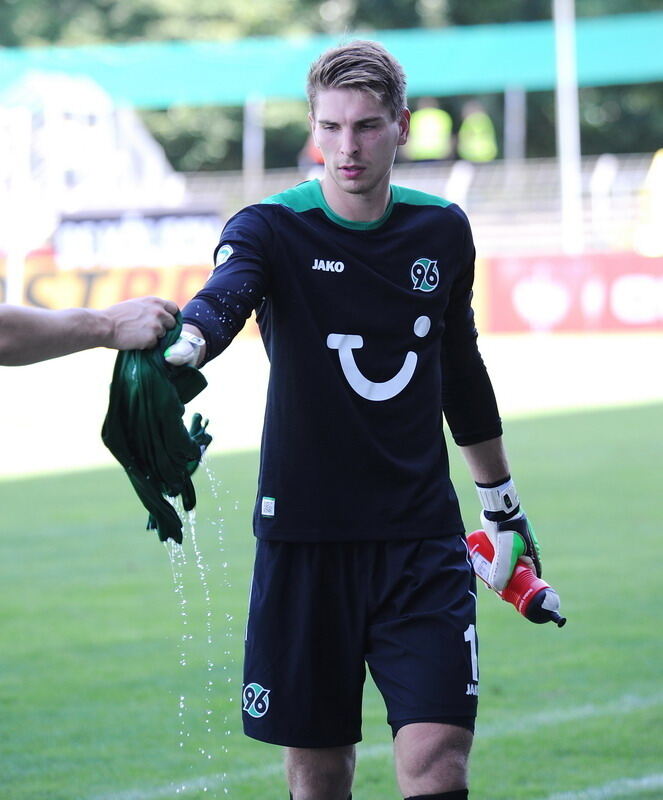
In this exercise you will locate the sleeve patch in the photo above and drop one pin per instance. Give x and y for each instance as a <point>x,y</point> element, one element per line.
<point>223,254</point>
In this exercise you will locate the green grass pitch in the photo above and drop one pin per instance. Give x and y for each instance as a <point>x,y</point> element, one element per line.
<point>111,690</point>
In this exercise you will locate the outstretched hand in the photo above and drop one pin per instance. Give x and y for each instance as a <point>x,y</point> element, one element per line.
<point>138,324</point>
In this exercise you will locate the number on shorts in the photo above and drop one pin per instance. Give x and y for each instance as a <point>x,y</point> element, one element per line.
<point>471,639</point>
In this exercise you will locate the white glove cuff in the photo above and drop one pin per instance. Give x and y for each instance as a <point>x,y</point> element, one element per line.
<point>185,351</point>
<point>197,341</point>
<point>502,498</point>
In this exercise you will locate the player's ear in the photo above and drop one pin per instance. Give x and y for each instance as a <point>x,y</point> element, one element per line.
<point>404,125</point>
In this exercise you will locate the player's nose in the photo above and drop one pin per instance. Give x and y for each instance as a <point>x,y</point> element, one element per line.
<point>349,143</point>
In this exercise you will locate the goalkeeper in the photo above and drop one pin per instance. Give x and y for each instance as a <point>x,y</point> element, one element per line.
<point>363,298</point>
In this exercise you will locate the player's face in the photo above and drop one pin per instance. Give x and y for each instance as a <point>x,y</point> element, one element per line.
<point>358,139</point>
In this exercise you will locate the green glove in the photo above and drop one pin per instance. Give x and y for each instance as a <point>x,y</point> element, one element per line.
<point>144,430</point>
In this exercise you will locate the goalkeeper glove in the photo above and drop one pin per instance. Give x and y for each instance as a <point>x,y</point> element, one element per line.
<point>185,352</point>
<point>509,531</point>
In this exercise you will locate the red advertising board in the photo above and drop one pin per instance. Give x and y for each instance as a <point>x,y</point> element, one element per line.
<point>591,292</point>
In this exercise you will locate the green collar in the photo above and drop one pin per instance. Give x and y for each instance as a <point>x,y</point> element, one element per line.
<point>348,223</point>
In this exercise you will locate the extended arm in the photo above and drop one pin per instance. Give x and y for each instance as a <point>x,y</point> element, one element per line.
<point>28,335</point>
<point>235,288</point>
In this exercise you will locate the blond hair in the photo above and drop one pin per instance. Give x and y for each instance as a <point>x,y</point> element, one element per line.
<point>361,65</point>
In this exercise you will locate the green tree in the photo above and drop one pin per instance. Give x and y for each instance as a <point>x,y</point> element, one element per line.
<point>72,22</point>
<point>460,12</point>
<point>69,22</point>
<point>617,119</point>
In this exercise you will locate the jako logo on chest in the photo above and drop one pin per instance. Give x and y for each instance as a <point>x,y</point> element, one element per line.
<point>327,266</point>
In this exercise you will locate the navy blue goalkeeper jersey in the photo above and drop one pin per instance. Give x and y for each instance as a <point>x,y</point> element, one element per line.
<point>371,339</point>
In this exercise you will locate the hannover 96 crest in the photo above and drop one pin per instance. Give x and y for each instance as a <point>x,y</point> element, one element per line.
<point>425,276</point>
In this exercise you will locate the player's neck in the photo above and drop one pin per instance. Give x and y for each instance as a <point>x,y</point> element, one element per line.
<point>357,207</point>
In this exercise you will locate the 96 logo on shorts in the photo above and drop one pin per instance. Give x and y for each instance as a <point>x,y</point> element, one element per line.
<point>255,700</point>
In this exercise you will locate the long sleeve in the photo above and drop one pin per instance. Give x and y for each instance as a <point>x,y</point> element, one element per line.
<point>468,399</point>
<point>237,285</point>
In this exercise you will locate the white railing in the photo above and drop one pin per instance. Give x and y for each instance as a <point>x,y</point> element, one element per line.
<point>513,206</point>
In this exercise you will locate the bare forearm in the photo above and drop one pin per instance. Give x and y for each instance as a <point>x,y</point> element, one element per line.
<point>487,461</point>
<point>28,335</point>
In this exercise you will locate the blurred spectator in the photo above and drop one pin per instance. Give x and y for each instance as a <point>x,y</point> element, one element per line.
<point>430,136</point>
<point>476,136</point>
<point>649,233</point>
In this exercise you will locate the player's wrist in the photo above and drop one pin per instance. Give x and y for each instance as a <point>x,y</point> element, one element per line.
<point>499,500</point>
<point>192,338</point>
<point>188,350</point>
<point>508,529</point>
<point>97,327</point>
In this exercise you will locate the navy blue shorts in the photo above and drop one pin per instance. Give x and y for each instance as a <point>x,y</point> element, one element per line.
<point>319,612</point>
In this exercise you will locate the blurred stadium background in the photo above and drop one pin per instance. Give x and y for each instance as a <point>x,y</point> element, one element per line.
<point>99,202</point>
<point>128,137</point>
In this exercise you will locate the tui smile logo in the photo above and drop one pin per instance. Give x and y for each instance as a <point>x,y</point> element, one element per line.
<point>425,275</point>
<point>345,343</point>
